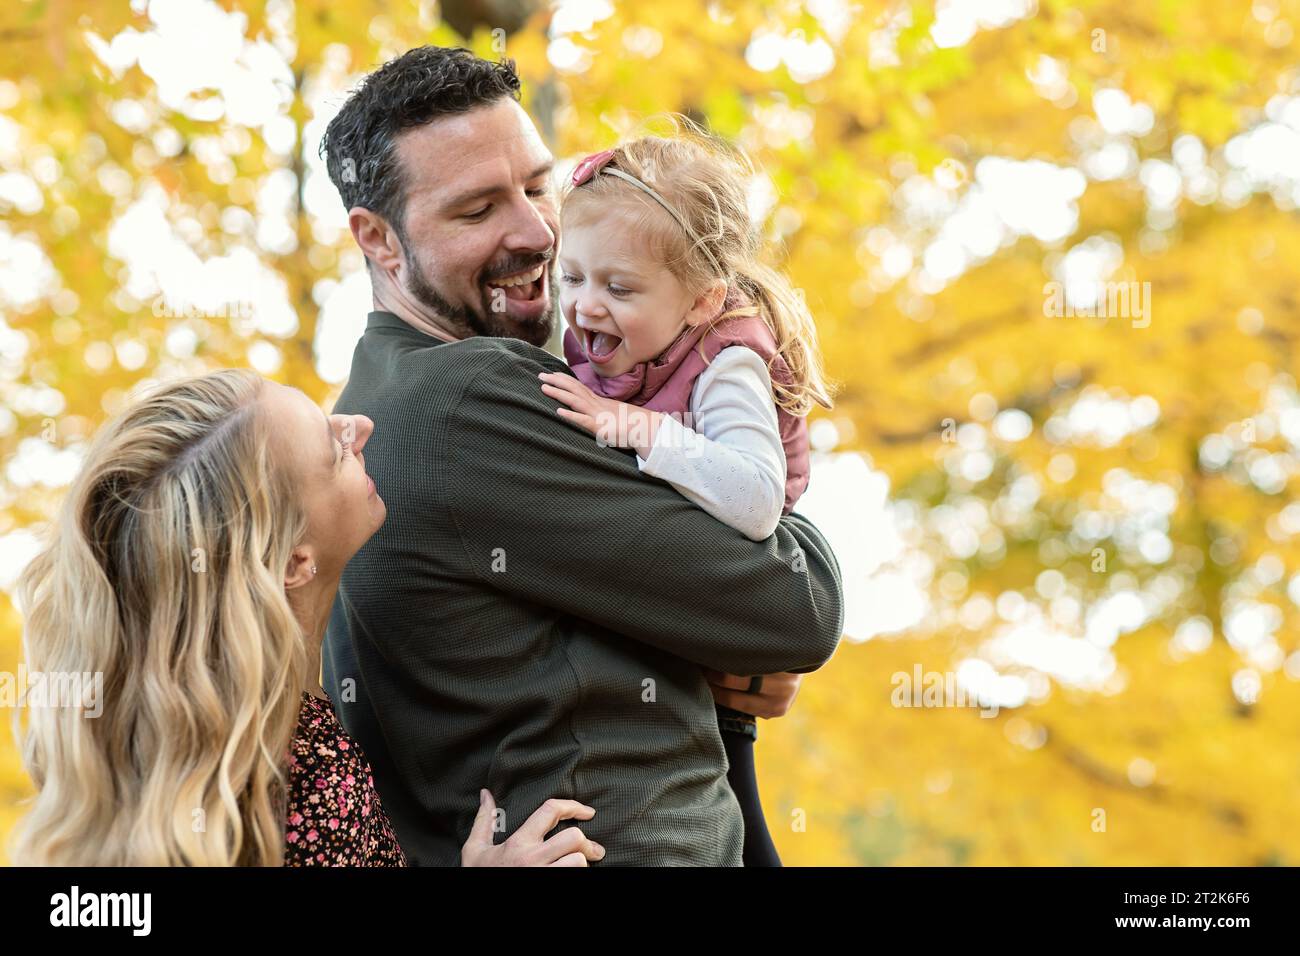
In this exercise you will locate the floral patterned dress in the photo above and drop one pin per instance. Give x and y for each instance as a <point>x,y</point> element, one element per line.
<point>335,818</point>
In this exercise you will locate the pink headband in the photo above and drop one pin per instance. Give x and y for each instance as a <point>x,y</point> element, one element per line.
<point>590,166</point>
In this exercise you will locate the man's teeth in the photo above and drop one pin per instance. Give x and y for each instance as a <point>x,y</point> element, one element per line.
<point>524,278</point>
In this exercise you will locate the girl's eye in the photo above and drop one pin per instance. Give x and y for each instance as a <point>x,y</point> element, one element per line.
<point>619,292</point>
<point>570,280</point>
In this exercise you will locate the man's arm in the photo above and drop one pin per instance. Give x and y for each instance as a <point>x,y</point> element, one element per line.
<point>573,526</point>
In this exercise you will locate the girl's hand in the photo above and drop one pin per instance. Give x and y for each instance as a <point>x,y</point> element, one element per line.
<point>526,846</point>
<point>613,423</point>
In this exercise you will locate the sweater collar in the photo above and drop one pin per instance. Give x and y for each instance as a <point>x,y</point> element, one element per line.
<point>387,320</point>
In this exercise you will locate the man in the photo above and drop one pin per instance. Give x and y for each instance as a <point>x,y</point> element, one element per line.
<point>535,615</point>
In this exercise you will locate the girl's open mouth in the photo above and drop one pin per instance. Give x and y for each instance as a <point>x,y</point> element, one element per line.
<point>600,346</point>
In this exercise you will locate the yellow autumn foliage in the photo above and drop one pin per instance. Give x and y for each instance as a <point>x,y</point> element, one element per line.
<point>895,137</point>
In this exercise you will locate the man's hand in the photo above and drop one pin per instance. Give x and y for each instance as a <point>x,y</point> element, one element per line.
<point>526,847</point>
<point>775,696</point>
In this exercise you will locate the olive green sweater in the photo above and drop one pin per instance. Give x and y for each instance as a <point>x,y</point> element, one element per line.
<point>533,614</point>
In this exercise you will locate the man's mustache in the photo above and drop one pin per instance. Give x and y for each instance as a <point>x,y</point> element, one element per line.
<point>515,265</point>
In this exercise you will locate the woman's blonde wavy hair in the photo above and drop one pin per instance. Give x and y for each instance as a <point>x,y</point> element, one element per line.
<point>165,573</point>
<point>704,179</point>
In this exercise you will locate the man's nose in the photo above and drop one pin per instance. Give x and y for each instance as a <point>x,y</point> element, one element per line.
<point>530,230</point>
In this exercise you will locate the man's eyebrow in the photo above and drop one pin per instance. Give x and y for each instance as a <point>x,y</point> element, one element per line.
<point>463,199</point>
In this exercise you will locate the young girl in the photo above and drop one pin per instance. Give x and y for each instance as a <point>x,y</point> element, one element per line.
<point>690,351</point>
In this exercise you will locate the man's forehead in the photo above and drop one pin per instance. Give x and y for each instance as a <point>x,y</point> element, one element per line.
<point>463,148</point>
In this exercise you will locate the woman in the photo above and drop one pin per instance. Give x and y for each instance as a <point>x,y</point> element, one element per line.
<point>194,565</point>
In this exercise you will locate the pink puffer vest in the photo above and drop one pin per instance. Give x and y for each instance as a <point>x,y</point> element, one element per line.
<point>665,384</point>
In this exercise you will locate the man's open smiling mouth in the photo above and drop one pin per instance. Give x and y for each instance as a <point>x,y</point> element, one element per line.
<point>524,286</point>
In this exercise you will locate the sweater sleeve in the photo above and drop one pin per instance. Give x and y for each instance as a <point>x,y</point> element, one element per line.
<point>548,515</point>
<point>731,462</point>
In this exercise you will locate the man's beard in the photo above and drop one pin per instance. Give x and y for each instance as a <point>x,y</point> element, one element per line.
<point>466,321</point>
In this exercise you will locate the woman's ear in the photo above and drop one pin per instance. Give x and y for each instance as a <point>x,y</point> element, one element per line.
<point>708,303</point>
<point>301,569</point>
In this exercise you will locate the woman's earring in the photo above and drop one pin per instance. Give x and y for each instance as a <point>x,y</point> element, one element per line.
<point>313,569</point>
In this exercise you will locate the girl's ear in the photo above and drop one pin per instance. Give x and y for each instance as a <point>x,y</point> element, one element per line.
<point>708,303</point>
<point>301,569</point>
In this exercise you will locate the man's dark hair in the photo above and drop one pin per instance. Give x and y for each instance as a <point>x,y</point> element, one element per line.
<point>360,143</point>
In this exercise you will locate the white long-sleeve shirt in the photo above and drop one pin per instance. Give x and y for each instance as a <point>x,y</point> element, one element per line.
<point>730,462</point>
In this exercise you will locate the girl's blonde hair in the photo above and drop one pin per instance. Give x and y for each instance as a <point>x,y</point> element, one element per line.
<point>704,179</point>
<point>165,574</point>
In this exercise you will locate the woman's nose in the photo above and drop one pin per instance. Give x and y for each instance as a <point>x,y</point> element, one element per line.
<point>364,428</point>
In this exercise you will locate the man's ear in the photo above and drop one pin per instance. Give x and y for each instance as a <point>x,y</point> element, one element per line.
<point>301,569</point>
<point>708,303</point>
<point>377,240</point>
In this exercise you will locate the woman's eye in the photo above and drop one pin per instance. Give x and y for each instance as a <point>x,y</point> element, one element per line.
<point>536,193</point>
<point>479,214</point>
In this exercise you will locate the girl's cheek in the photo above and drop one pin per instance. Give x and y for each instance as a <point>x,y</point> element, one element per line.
<point>629,322</point>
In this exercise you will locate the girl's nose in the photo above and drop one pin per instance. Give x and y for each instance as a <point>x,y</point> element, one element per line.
<point>589,304</point>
